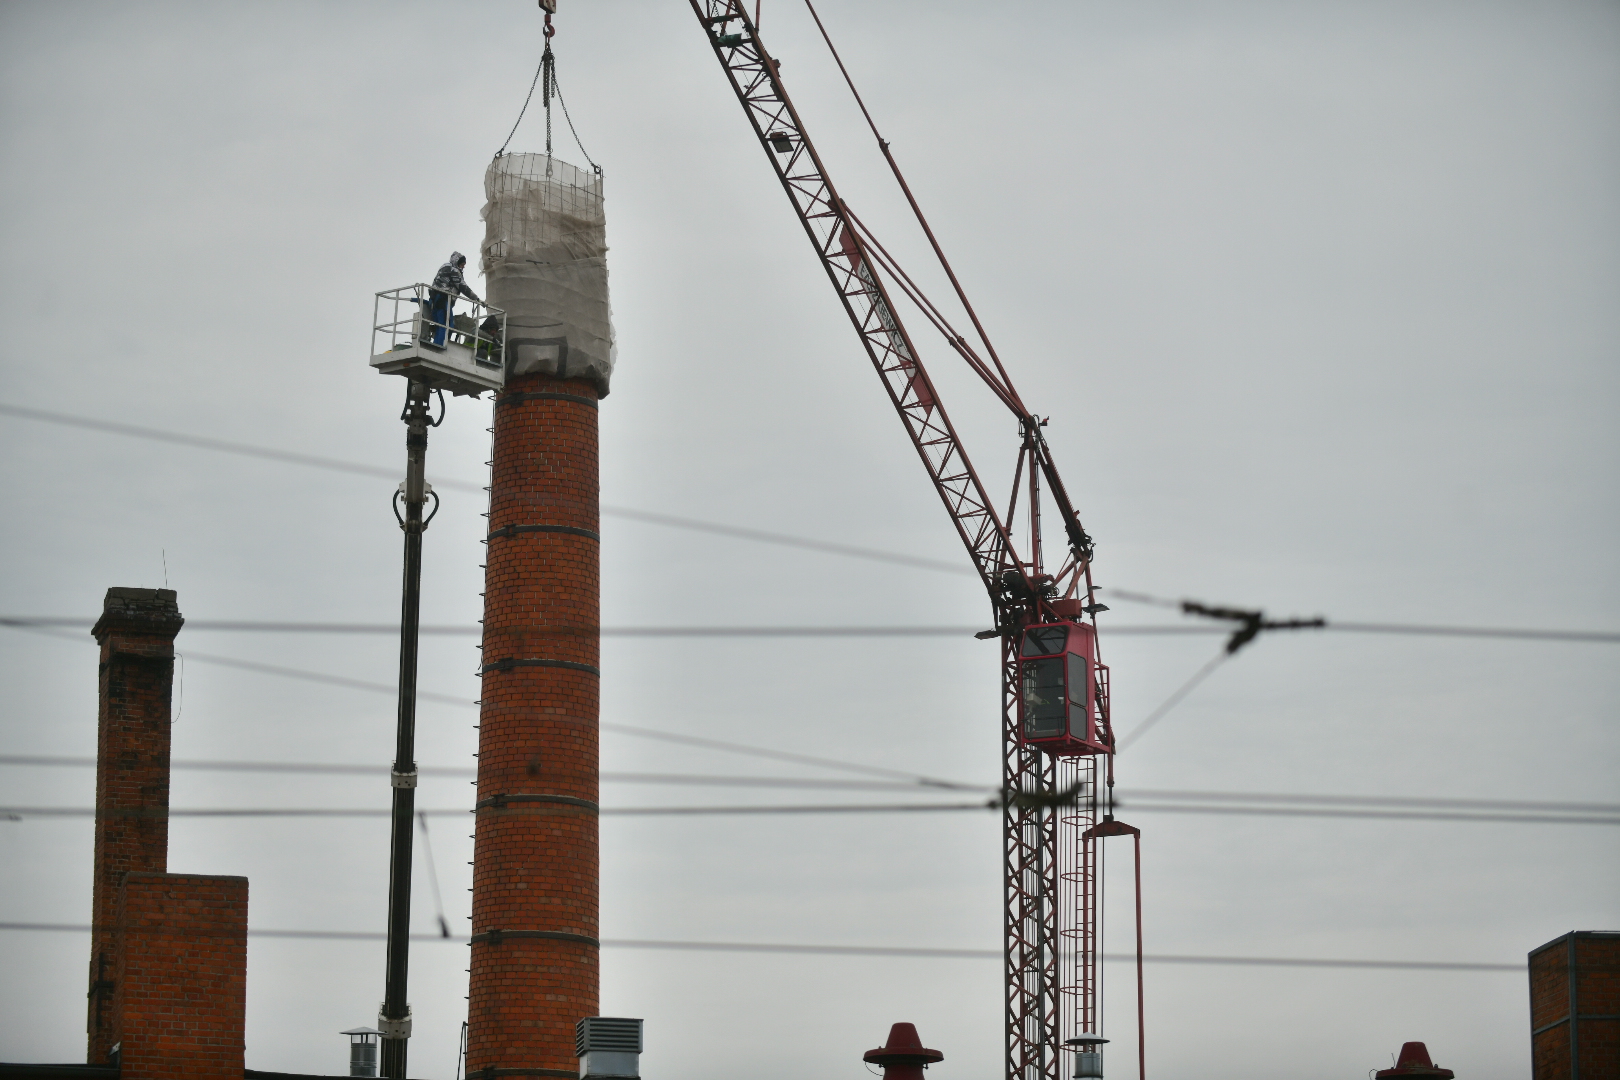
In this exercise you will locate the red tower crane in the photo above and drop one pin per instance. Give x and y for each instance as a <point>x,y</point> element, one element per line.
<point>1057,740</point>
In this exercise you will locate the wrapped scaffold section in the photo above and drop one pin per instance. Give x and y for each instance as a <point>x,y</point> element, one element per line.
<point>545,264</point>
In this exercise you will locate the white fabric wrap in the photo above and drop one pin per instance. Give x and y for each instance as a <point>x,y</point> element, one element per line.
<point>545,263</point>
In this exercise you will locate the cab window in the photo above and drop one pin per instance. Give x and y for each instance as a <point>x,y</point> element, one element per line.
<point>1045,710</point>
<point>1044,640</point>
<point>1077,679</point>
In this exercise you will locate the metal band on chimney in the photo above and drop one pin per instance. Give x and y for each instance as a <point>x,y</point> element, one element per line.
<point>509,663</point>
<point>513,530</point>
<point>498,802</point>
<point>495,937</point>
<point>512,399</point>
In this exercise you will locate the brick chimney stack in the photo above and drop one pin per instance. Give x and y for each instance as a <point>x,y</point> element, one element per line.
<point>1575,1007</point>
<point>534,971</point>
<point>168,960</point>
<point>136,632</point>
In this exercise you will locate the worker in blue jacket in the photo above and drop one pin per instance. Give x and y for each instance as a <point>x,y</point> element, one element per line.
<point>448,283</point>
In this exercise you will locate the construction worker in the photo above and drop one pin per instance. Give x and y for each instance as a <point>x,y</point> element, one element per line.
<point>448,283</point>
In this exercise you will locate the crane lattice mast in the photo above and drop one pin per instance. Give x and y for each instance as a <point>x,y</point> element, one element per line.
<point>1052,795</point>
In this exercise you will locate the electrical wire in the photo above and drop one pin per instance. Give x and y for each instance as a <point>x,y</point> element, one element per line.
<point>681,779</point>
<point>222,445</point>
<point>433,875</point>
<point>911,779</point>
<point>313,461</point>
<point>1169,703</point>
<point>392,629</point>
<point>22,813</point>
<point>1149,797</point>
<point>623,729</point>
<point>1608,817</point>
<point>786,540</point>
<point>860,950</point>
<point>736,532</point>
<point>1125,630</point>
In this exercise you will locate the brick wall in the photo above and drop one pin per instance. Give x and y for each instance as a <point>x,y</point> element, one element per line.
<point>1575,1021</point>
<point>181,979</point>
<point>534,970</point>
<point>136,633</point>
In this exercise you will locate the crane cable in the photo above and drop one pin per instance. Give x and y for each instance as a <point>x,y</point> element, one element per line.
<point>1005,382</point>
<point>1079,540</point>
<point>545,77</point>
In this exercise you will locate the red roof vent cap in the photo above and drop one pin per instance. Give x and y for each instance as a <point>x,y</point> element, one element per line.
<point>904,1048</point>
<point>1414,1061</point>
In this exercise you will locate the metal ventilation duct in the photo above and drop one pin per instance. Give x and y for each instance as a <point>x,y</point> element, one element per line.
<point>609,1047</point>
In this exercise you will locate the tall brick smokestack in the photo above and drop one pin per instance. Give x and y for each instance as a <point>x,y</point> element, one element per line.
<point>534,970</point>
<point>136,632</point>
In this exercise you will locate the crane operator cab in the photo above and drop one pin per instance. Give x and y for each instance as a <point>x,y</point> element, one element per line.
<point>462,352</point>
<point>1062,690</point>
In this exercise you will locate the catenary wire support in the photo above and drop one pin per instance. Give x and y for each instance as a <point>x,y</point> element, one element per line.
<point>394,1018</point>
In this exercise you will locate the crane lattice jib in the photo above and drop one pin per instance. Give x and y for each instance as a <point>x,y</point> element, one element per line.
<point>1051,871</point>
<point>838,244</point>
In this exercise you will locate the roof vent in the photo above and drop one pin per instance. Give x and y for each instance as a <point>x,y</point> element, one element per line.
<point>609,1048</point>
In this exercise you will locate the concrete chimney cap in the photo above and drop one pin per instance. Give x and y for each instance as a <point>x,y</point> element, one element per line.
<point>140,601</point>
<point>156,611</point>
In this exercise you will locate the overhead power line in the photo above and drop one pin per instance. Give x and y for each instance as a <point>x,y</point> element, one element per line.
<point>606,725</point>
<point>859,950</point>
<point>718,529</point>
<point>315,461</point>
<point>909,780</point>
<point>1475,631</point>
<point>17,813</point>
<point>1127,630</point>
<point>25,622</point>
<point>1147,798</point>
<point>1170,702</point>
<point>227,446</point>
<point>1507,813</point>
<point>318,768</point>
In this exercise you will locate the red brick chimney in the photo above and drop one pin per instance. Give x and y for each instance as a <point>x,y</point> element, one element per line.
<point>168,959</point>
<point>179,1002</point>
<point>1575,1007</point>
<point>534,971</point>
<point>136,633</point>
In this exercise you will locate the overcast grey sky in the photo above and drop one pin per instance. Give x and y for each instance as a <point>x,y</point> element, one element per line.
<point>1321,298</point>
